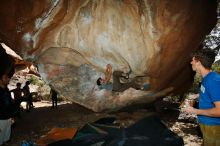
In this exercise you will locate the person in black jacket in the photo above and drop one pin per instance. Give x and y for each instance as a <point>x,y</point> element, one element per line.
<point>6,105</point>
<point>28,96</point>
<point>17,98</point>
<point>7,111</point>
<point>53,94</point>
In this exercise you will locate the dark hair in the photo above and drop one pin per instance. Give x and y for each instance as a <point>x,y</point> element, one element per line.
<point>98,82</point>
<point>206,57</point>
<point>18,84</point>
<point>27,83</point>
<point>6,63</point>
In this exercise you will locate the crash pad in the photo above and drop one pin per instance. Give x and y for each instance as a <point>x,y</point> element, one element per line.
<point>149,131</point>
<point>56,134</point>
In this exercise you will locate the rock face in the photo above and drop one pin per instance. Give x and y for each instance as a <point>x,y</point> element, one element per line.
<point>71,41</point>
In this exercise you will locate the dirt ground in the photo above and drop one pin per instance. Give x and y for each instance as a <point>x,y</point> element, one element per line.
<point>32,125</point>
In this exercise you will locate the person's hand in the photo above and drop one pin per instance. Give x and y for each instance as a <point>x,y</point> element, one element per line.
<point>189,110</point>
<point>193,96</point>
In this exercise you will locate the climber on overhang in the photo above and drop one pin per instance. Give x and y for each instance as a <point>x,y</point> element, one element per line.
<point>116,85</point>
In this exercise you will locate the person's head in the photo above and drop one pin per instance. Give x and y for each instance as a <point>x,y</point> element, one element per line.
<point>99,81</point>
<point>18,85</point>
<point>6,67</point>
<point>6,64</point>
<point>27,83</point>
<point>203,59</point>
<point>4,80</point>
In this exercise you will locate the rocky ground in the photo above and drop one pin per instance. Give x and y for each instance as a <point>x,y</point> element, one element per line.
<point>42,118</point>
